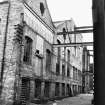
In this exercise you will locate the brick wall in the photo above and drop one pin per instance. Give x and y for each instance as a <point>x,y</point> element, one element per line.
<point>35,5</point>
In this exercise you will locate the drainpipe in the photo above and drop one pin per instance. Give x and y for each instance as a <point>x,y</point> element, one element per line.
<point>4,48</point>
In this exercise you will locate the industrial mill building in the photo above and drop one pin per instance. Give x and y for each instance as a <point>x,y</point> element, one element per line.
<point>32,66</point>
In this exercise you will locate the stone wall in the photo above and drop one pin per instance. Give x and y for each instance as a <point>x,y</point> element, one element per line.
<point>3,22</point>
<point>10,65</point>
<point>35,5</point>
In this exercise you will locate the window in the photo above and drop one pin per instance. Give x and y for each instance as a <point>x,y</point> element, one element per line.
<point>59,50</point>
<point>58,59</point>
<point>63,89</point>
<point>42,8</point>
<point>47,89</point>
<point>79,75</point>
<point>74,73</point>
<point>57,69</point>
<point>68,89</point>
<point>63,69</point>
<point>64,34</point>
<point>48,59</point>
<point>57,91</point>
<point>68,55</point>
<point>68,71</point>
<point>27,50</point>
<point>37,88</point>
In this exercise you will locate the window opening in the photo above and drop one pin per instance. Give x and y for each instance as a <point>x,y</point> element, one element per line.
<point>27,50</point>
<point>42,8</point>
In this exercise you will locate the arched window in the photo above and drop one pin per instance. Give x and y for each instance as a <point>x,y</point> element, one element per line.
<point>27,50</point>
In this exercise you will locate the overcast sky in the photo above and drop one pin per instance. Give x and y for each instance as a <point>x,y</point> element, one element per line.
<point>79,10</point>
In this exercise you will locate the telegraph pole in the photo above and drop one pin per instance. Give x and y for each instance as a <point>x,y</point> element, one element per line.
<point>99,54</point>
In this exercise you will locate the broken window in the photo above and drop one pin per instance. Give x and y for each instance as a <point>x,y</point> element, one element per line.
<point>27,50</point>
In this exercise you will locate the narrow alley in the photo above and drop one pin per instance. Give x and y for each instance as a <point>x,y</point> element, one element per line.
<point>82,99</point>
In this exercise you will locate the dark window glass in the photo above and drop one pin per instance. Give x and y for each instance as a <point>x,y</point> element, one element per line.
<point>68,71</point>
<point>47,89</point>
<point>63,69</point>
<point>42,8</point>
<point>48,59</point>
<point>63,89</point>
<point>37,88</point>
<point>57,69</point>
<point>68,55</point>
<point>59,50</point>
<point>57,89</point>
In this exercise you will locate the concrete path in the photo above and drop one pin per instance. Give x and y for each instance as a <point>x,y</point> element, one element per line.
<point>82,99</point>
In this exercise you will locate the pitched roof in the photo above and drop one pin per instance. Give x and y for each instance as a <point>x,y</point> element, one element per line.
<point>41,9</point>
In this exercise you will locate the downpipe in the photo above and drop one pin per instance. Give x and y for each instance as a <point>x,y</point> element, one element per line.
<point>4,48</point>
